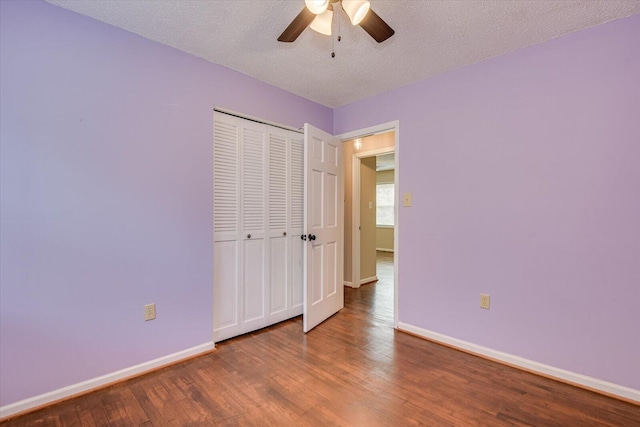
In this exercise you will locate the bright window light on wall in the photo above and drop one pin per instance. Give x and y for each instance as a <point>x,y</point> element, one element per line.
<point>385,204</point>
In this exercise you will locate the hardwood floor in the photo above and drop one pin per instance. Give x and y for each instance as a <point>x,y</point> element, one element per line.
<point>353,370</point>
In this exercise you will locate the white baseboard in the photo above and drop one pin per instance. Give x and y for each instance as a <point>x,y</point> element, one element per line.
<point>529,365</point>
<point>98,382</point>
<point>362,282</point>
<point>384,250</point>
<point>368,280</point>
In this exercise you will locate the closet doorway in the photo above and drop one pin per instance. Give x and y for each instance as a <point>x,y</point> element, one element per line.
<point>277,225</point>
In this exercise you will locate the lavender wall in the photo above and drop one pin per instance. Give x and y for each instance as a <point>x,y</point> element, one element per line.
<point>525,177</point>
<point>106,174</point>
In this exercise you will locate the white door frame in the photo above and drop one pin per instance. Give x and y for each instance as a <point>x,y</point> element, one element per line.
<point>393,126</point>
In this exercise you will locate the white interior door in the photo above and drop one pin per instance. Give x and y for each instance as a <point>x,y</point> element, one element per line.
<point>324,215</point>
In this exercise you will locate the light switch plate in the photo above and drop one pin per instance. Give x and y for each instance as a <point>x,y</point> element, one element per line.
<point>149,312</point>
<point>406,200</point>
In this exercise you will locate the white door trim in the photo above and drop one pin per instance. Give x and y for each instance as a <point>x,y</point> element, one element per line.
<point>256,119</point>
<point>393,126</point>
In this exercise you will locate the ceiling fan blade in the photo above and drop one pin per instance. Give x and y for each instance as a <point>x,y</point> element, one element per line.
<point>297,26</point>
<point>376,27</point>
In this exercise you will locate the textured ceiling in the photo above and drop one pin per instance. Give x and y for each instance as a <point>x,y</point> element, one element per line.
<point>431,37</point>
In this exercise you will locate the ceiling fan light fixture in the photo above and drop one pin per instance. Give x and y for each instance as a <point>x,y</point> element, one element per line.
<point>322,23</point>
<point>356,10</point>
<point>317,6</point>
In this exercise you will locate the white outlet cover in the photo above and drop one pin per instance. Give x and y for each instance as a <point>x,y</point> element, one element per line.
<point>485,301</point>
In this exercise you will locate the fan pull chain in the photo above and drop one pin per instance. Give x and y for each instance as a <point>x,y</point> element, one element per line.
<point>339,28</point>
<point>333,50</point>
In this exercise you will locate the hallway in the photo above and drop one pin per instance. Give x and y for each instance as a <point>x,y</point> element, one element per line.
<point>352,370</point>
<point>375,299</point>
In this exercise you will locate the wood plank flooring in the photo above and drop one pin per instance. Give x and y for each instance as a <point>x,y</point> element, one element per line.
<point>353,370</point>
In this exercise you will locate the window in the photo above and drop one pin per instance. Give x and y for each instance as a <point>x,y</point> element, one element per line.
<point>384,204</point>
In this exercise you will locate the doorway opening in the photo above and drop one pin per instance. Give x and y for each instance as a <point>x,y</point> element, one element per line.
<point>371,209</point>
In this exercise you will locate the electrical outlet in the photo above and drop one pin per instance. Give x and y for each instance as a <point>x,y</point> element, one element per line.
<point>485,301</point>
<point>406,200</point>
<point>149,312</point>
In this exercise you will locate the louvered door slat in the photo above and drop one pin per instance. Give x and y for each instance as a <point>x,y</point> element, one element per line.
<point>277,182</point>
<point>253,180</point>
<point>297,183</point>
<point>225,175</point>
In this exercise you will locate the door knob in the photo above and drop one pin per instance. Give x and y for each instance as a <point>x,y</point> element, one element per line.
<point>284,233</point>
<point>312,237</point>
<point>248,236</point>
<point>303,237</point>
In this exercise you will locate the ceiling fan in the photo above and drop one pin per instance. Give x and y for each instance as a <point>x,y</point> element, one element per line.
<point>318,15</point>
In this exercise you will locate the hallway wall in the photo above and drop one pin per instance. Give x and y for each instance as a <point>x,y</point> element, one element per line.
<point>384,235</point>
<point>368,219</point>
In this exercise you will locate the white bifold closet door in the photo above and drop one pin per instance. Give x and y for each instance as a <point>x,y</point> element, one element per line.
<point>258,219</point>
